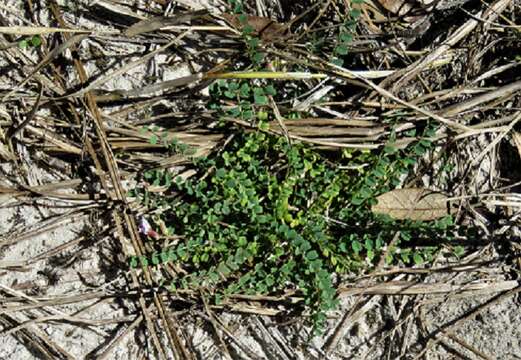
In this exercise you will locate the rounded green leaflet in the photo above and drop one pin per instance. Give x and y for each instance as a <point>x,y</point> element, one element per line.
<point>134,262</point>
<point>36,40</point>
<point>417,258</point>
<point>144,261</point>
<point>155,258</point>
<point>312,255</point>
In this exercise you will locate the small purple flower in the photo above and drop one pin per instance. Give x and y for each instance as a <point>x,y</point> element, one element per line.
<point>144,226</point>
<point>146,229</point>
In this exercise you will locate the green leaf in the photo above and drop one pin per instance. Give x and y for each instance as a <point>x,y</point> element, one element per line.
<point>346,37</point>
<point>232,264</point>
<point>181,252</point>
<point>237,8</point>
<point>36,40</point>
<point>133,262</point>
<point>370,255</point>
<point>144,261</point>
<point>304,246</point>
<point>165,256</point>
<point>225,209</point>
<point>264,126</point>
<point>258,57</point>
<point>379,171</point>
<point>260,99</point>
<point>270,90</point>
<point>312,255</point>
<point>355,13</point>
<point>248,29</point>
<point>218,299</point>
<point>341,50</point>
<point>248,114</point>
<point>365,192</point>
<point>155,258</point>
<point>213,276</point>
<point>458,250</point>
<point>242,241</point>
<point>243,18</point>
<point>357,246</point>
<point>223,269</point>
<point>245,90</point>
<point>379,243</point>
<point>253,42</point>
<point>357,200</point>
<point>419,150</point>
<point>154,139</point>
<point>337,61</point>
<point>262,115</point>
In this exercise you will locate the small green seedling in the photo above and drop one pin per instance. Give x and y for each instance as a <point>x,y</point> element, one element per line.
<point>33,41</point>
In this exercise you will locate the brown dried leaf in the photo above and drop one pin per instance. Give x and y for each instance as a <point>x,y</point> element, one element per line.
<point>264,27</point>
<point>399,7</point>
<point>374,11</point>
<point>152,24</point>
<point>412,204</point>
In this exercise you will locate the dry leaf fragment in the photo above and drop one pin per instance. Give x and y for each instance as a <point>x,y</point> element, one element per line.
<point>412,204</point>
<point>264,27</point>
<point>517,140</point>
<point>149,25</point>
<point>37,30</point>
<point>399,7</point>
<point>408,8</point>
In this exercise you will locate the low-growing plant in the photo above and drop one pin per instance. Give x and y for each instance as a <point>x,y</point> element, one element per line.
<point>264,216</point>
<point>171,143</point>
<point>346,33</point>
<point>273,216</point>
<point>242,100</point>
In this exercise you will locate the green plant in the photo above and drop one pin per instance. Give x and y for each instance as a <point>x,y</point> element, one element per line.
<point>169,142</point>
<point>33,41</point>
<point>264,216</point>
<point>346,34</point>
<point>248,100</point>
<point>252,42</point>
<point>236,6</point>
<point>271,215</point>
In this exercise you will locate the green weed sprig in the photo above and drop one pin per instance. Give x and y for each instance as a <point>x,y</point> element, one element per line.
<point>263,220</point>
<point>269,216</point>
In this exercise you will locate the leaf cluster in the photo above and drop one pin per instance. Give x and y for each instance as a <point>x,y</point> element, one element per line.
<point>273,216</point>
<point>33,41</point>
